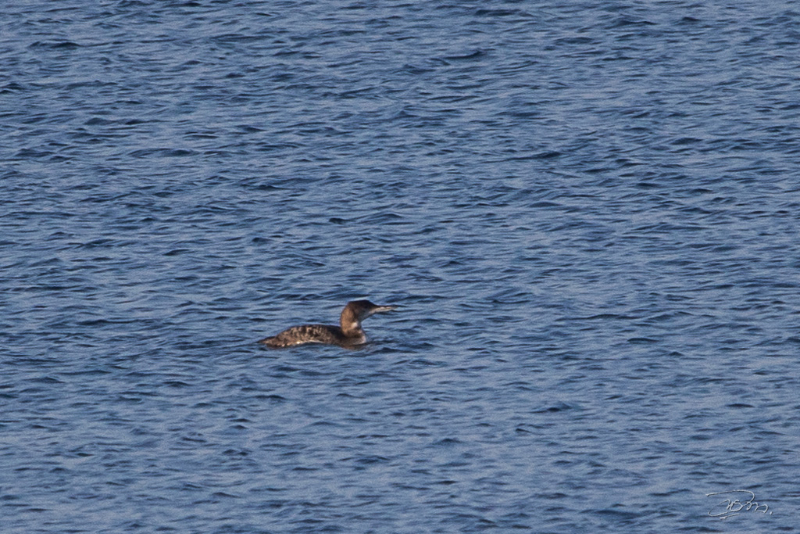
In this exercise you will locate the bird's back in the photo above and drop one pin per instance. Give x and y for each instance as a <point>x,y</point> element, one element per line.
<point>309,333</point>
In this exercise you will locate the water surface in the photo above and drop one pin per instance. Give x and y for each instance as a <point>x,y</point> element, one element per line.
<point>588,213</point>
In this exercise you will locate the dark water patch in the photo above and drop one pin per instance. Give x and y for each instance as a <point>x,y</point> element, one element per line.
<point>55,45</point>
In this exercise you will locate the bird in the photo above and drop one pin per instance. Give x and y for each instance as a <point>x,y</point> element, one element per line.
<point>348,334</point>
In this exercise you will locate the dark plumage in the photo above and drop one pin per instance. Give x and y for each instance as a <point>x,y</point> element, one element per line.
<point>347,335</point>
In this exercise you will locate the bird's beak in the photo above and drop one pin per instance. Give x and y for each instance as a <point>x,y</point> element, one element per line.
<point>380,309</point>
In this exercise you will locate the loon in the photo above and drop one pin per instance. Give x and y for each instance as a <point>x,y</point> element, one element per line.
<point>348,335</point>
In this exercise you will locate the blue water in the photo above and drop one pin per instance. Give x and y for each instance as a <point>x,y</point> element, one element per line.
<point>588,212</point>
